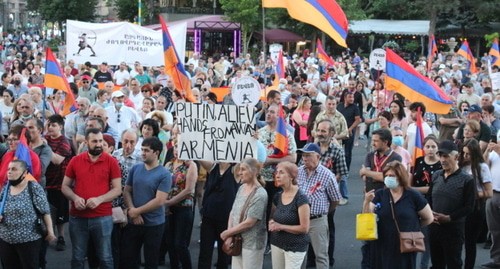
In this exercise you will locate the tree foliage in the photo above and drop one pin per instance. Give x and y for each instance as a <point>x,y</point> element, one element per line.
<point>61,10</point>
<point>248,13</point>
<point>127,11</point>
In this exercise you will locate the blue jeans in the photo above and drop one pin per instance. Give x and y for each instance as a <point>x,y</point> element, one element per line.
<point>99,229</point>
<point>133,239</point>
<point>343,187</point>
<point>180,228</point>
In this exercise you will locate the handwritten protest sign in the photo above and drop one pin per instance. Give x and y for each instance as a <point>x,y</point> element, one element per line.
<point>210,132</point>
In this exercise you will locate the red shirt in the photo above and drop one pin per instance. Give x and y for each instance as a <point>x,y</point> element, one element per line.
<point>92,179</point>
<point>36,167</point>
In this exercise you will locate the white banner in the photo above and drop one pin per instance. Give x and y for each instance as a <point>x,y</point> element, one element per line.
<point>118,42</point>
<point>222,133</point>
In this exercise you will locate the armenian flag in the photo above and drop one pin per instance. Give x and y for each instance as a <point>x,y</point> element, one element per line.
<point>465,52</point>
<point>55,78</point>
<point>280,66</point>
<point>403,78</point>
<point>280,144</point>
<point>433,50</point>
<point>495,53</point>
<point>174,67</point>
<point>322,53</point>
<point>326,15</point>
<point>418,150</point>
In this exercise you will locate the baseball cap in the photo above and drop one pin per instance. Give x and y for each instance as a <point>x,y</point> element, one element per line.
<point>310,148</point>
<point>283,81</point>
<point>442,66</point>
<point>86,77</point>
<point>475,108</point>
<point>117,94</point>
<point>447,146</point>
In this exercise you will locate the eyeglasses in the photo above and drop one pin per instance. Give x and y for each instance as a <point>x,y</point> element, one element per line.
<point>25,107</point>
<point>133,85</point>
<point>10,140</point>
<point>85,82</point>
<point>145,91</point>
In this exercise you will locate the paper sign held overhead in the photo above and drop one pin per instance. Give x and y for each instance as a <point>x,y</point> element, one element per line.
<point>246,91</point>
<point>210,132</point>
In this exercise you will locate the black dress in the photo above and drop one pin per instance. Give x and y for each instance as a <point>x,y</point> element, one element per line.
<point>385,251</point>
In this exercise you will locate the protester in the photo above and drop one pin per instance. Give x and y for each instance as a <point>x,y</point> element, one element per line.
<point>252,226</point>
<point>289,222</point>
<point>399,209</point>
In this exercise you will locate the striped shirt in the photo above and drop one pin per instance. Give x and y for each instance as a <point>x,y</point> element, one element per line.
<point>320,187</point>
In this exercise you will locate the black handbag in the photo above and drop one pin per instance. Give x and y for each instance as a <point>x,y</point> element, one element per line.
<point>39,223</point>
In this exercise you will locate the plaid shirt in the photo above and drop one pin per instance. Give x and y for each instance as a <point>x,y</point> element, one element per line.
<point>125,163</point>
<point>321,188</point>
<point>333,159</point>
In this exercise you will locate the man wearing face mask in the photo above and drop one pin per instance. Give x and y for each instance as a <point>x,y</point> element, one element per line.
<point>16,87</point>
<point>452,195</point>
<point>91,193</point>
<point>372,173</point>
<point>397,145</point>
<point>26,112</point>
<point>121,117</point>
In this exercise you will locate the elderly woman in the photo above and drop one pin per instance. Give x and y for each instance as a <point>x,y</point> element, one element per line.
<point>289,223</point>
<point>410,209</point>
<point>20,239</point>
<point>253,226</point>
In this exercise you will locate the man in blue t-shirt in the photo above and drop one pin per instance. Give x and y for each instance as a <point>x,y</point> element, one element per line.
<point>145,194</point>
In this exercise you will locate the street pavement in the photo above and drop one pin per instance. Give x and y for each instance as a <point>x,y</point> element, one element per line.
<point>347,248</point>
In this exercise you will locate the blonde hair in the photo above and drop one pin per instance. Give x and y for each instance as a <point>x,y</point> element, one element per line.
<point>291,169</point>
<point>255,167</point>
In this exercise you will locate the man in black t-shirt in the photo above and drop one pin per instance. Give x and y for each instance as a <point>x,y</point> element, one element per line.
<point>353,118</point>
<point>475,113</point>
<point>103,74</point>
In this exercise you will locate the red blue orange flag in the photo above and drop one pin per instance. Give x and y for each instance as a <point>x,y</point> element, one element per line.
<point>55,78</point>
<point>465,52</point>
<point>174,67</point>
<point>320,51</point>
<point>280,66</point>
<point>403,78</point>
<point>326,15</point>
<point>418,150</point>
<point>23,153</point>
<point>433,50</point>
<point>495,53</point>
<point>280,144</point>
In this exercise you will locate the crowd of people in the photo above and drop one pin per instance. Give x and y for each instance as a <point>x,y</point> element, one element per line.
<point>111,170</point>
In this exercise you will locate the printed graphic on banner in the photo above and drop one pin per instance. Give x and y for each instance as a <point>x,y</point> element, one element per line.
<point>246,91</point>
<point>210,132</point>
<point>118,42</point>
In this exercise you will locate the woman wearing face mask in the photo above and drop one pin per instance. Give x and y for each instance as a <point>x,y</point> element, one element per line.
<point>411,212</point>
<point>19,239</point>
<point>472,162</point>
<point>423,170</point>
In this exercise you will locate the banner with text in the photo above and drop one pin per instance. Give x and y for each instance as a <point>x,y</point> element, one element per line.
<point>118,42</point>
<point>222,133</point>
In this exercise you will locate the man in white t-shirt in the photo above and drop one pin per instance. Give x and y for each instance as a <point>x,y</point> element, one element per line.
<point>121,76</point>
<point>411,132</point>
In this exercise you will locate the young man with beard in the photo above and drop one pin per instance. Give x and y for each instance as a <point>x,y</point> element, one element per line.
<point>92,180</point>
<point>145,194</point>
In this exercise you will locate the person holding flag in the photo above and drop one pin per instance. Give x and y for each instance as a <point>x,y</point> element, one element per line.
<point>19,149</point>
<point>416,131</point>
<point>280,146</point>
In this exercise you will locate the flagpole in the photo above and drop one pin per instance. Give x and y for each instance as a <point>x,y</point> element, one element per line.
<point>263,32</point>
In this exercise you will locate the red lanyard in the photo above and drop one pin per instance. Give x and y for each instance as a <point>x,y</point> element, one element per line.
<point>380,161</point>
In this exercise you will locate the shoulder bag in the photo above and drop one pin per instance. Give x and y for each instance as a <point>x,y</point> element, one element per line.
<point>408,241</point>
<point>232,245</point>
<point>39,223</point>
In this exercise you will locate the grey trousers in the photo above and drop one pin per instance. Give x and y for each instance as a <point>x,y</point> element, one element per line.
<point>318,232</point>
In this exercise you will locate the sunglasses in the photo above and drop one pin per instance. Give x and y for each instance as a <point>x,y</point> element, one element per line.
<point>25,107</point>
<point>118,118</point>
<point>85,82</point>
<point>145,91</point>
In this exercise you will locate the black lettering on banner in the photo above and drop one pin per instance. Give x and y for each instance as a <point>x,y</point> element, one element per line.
<point>215,132</point>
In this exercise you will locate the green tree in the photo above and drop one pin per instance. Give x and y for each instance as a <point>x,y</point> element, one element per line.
<point>58,11</point>
<point>127,11</point>
<point>248,13</point>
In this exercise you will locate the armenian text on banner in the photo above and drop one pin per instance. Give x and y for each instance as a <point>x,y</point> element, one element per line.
<point>210,132</point>
<point>118,42</point>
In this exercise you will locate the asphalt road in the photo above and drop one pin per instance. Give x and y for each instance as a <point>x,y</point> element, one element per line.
<point>347,249</point>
